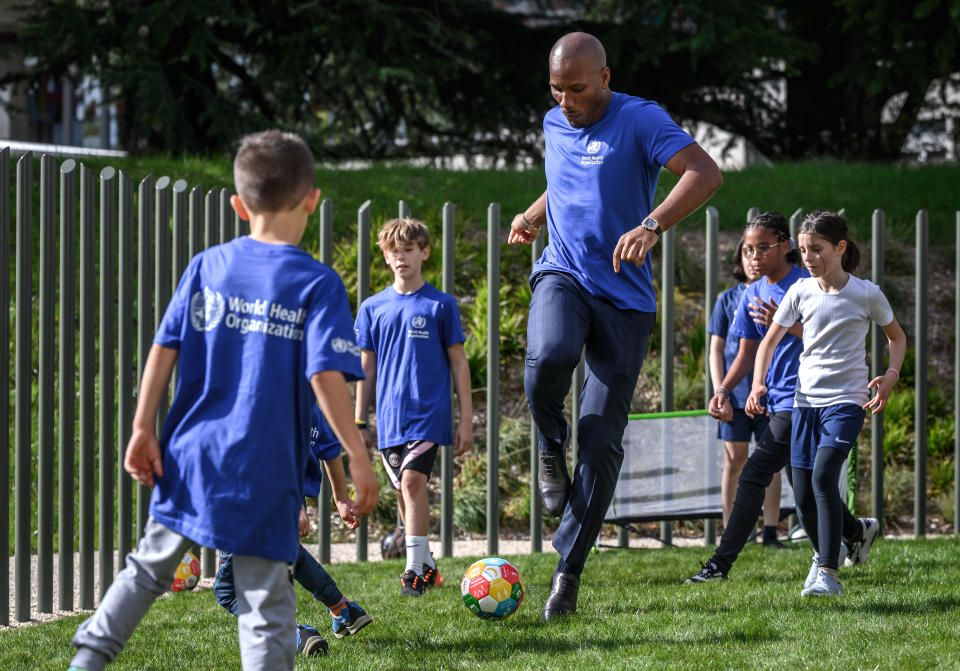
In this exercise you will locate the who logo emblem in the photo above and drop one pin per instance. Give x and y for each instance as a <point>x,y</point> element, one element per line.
<point>594,147</point>
<point>206,309</point>
<point>419,322</point>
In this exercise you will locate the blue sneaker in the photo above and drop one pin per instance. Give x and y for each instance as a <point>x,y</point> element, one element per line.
<point>348,619</point>
<point>309,641</point>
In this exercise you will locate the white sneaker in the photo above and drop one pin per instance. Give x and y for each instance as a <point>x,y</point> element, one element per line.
<point>824,585</point>
<point>815,566</point>
<point>861,549</point>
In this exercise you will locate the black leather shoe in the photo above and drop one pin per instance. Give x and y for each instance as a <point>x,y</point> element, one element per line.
<point>554,480</point>
<point>563,596</point>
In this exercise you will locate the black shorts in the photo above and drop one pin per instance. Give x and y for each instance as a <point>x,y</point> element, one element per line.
<point>417,455</point>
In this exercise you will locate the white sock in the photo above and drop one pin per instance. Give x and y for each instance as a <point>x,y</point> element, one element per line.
<point>418,547</point>
<point>428,557</point>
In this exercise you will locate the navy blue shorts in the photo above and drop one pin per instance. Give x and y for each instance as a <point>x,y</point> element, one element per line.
<point>836,426</point>
<point>741,427</point>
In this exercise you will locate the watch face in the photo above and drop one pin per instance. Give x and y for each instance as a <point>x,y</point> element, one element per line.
<point>650,224</point>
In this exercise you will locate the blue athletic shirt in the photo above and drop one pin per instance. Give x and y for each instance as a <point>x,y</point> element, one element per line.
<point>410,334</point>
<point>601,182</point>
<point>782,376</point>
<point>324,446</point>
<point>720,320</point>
<point>252,323</point>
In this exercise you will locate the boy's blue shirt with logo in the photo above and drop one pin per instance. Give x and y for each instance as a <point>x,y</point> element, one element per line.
<point>410,334</point>
<point>601,182</point>
<point>252,323</point>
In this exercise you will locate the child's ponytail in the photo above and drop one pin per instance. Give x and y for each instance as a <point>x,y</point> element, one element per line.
<point>833,227</point>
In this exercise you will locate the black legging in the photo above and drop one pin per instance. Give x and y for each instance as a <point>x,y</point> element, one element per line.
<point>819,505</point>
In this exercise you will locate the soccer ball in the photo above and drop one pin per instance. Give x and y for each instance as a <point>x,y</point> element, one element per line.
<point>492,588</point>
<point>393,544</point>
<point>187,574</point>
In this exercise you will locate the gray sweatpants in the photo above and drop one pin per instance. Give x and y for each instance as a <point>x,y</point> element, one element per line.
<point>265,597</point>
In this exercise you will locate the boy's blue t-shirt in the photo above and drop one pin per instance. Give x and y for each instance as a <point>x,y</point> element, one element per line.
<point>324,446</point>
<point>410,335</point>
<point>720,320</point>
<point>601,181</point>
<point>782,376</point>
<point>252,323</point>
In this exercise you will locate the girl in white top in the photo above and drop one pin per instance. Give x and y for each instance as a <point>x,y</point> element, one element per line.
<point>832,395</point>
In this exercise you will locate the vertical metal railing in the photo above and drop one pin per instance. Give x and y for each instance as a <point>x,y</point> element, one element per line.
<point>920,380</point>
<point>5,377</point>
<point>45,384</point>
<point>108,251</point>
<point>493,378</point>
<point>795,220</point>
<point>325,238</point>
<point>710,291</point>
<point>666,344</point>
<point>125,365</point>
<point>66,421</point>
<point>144,316</point>
<point>211,218</point>
<point>877,340</point>
<point>88,329</point>
<point>227,228</point>
<point>446,451</point>
<point>363,292</point>
<point>24,377</point>
<point>956,381</point>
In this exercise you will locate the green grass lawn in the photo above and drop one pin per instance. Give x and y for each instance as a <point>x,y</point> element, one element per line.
<point>901,611</point>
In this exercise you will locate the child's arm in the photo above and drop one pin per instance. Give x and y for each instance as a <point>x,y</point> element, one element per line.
<point>338,482</point>
<point>461,380</point>
<point>897,342</point>
<point>716,359</point>
<point>365,392</point>
<point>720,407</point>
<point>143,458</point>
<point>764,356</point>
<point>330,388</point>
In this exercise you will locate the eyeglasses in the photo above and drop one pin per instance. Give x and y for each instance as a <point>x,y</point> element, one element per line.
<point>760,249</point>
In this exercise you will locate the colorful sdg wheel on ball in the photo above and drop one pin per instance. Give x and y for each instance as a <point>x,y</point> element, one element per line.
<point>492,588</point>
<point>187,574</point>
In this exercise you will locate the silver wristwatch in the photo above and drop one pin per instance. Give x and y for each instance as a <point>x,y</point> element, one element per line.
<point>651,225</point>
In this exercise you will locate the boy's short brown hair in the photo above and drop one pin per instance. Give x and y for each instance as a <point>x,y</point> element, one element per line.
<point>272,171</point>
<point>397,233</point>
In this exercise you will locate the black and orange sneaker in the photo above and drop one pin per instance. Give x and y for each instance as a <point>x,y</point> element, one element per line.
<point>432,576</point>
<point>412,584</point>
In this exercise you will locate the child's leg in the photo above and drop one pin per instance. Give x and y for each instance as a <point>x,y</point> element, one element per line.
<point>313,577</point>
<point>148,574</point>
<point>826,481</point>
<point>413,488</point>
<point>223,587</point>
<point>771,503</point>
<point>735,456</point>
<point>806,503</point>
<point>266,605</point>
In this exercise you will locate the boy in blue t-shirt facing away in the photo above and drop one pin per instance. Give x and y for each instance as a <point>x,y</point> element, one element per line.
<point>411,340</point>
<point>261,331</point>
<point>347,617</point>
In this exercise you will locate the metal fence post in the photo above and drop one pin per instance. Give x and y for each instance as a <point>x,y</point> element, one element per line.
<point>493,378</point>
<point>66,421</point>
<point>144,309</point>
<point>956,385</point>
<point>403,210</point>
<point>5,375</point>
<point>795,219</point>
<point>363,292</point>
<point>195,221</point>
<point>24,377</point>
<point>666,344</point>
<point>536,505</point>
<point>446,454</point>
<point>88,326</point>
<point>877,340</point>
<point>45,378</point>
<point>920,381</point>
<point>108,251</point>
<point>709,298</point>
<point>226,218</point>
<point>125,365</point>
<point>323,501</point>
<point>752,214</point>
<point>211,218</point>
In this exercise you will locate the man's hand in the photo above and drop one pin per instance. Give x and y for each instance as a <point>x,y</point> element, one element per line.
<point>463,438</point>
<point>720,407</point>
<point>365,482</point>
<point>521,231</point>
<point>304,523</point>
<point>633,246</point>
<point>753,407</point>
<point>143,458</point>
<point>347,512</point>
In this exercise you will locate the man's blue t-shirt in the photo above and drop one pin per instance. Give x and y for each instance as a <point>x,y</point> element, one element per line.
<point>782,376</point>
<point>601,182</point>
<point>252,323</point>
<point>720,320</point>
<point>324,446</point>
<point>410,335</point>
